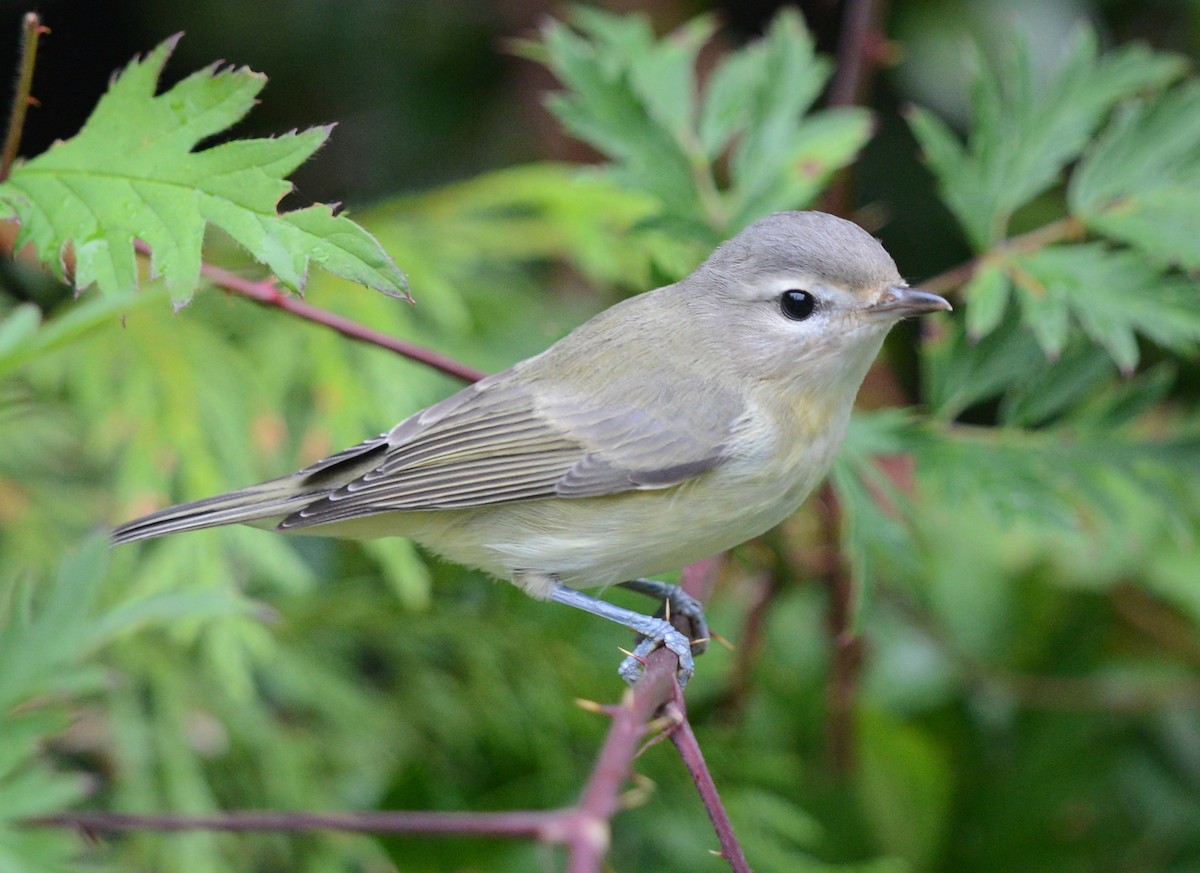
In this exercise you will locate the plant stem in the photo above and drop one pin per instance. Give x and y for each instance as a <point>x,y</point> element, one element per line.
<point>1067,227</point>
<point>31,30</point>
<point>268,293</point>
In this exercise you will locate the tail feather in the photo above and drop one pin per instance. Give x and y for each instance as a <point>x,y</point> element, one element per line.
<point>271,500</point>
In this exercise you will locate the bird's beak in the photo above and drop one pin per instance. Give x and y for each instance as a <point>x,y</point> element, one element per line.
<point>902,301</point>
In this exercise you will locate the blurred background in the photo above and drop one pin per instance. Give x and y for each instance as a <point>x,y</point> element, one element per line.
<point>425,93</point>
<point>1004,728</point>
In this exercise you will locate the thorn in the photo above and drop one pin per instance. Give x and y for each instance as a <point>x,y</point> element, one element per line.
<point>593,706</point>
<point>638,793</point>
<point>721,641</point>
<point>629,654</point>
<point>662,723</point>
<point>662,727</point>
<point>33,101</point>
<point>716,853</point>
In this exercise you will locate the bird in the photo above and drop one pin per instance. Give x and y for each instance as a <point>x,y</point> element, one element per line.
<point>670,427</point>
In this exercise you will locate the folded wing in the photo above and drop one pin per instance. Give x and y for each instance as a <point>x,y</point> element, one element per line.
<point>494,442</point>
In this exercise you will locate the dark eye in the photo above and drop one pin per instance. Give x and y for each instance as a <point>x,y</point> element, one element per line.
<point>797,305</point>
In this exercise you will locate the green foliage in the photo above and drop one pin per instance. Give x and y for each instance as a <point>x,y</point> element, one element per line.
<point>636,99</point>
<point>45,638</point>
<point>1023,551</point>
<point>131,173</point>
<point>1024,132</point>
<point>1134,185</point>
<point>1137,183</point>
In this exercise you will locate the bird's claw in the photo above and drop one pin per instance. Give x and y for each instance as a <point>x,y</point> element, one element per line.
<point>663,633</point>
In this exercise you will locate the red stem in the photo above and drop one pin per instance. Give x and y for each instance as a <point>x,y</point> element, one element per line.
<point>269,294</point>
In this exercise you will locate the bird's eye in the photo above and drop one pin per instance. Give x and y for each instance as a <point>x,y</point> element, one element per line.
<point>797,305</point>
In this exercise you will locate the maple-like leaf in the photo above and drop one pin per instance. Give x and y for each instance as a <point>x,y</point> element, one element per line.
<point>132,174</point>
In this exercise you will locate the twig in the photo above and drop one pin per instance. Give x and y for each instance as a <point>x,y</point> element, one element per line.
<point>750,645</point>
<point>693,758</point>
<point>586,829</point>
<point>857,52</point>
<point>857,56</point>
<point>951,280</point>
<point>583,828</point>
<point>31,30</point>
<point>699,579</point>
<point>266,292</point>
<point>520,823</point>
<point>847,654</point>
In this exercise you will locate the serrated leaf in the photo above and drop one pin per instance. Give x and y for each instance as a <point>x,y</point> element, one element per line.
<point>1062,478</point>
<point>1112,295</point>
<point>633,97</point>
<point>1052,388</point>
<point>987,295</point>
<point>877,537</point>
<point>960,372</point>
<point>1024,132</point>
<point>1127,400</point>
<point>792,76</point>
<point>131,173</point>
<point>825,143</point>
<point>665,77</point>
<point>601,106</point>
<point>725,109</point>
<point>1139,183</point>
<point>1044,307</point>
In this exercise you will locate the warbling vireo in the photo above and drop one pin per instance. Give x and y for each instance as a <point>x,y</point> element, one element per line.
<point>668,428</point>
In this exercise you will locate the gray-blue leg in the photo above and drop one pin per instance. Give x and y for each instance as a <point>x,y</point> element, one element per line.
<point>655,631</point>
<point>675,601</point>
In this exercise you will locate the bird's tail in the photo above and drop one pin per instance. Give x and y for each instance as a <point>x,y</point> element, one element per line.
<point>270,501</point>
<point>276,499</point>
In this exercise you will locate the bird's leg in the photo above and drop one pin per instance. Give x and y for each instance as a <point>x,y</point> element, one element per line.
<point>675,601</point>
<point>655,631</point>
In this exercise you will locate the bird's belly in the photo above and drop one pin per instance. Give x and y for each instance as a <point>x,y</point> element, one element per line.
<point>599,541</point>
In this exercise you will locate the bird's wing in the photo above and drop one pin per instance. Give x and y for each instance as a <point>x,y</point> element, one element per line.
<point>494,442</point>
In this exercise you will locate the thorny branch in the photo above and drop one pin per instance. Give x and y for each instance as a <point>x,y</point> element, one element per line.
<point>268,293</point>
<point>584,828</point>
<point>31,31</point>
<point>859,52</point>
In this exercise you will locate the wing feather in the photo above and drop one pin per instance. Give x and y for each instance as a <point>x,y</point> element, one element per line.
<point>494,442</point>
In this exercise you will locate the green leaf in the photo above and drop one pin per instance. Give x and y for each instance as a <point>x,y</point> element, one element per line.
<point>634,98</point>
<point>37,644</point>
<point>1024,132</point>
<point>1139,183</point>
<point>825,143</point>
<point>602,106</point>
<point>960,372</point>
<point>782,158</point>
<point>868,479</point>
<point>905,783</point>
<point>24,337</point>
<point>987,295</point>
<point>1063,479</point>
<point>1053,387</point>
<point>1113,295</point>
<point>131,173</point>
